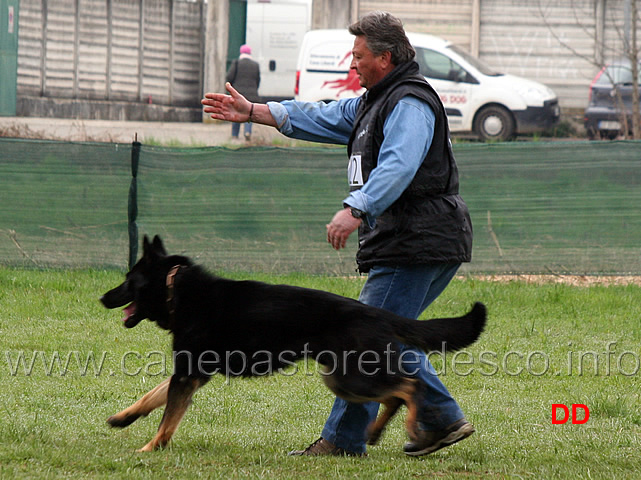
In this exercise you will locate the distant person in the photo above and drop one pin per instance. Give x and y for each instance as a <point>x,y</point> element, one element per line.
<point>244,75</point>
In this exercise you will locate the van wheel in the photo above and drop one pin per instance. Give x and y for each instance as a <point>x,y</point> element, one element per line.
<point>494,123</point>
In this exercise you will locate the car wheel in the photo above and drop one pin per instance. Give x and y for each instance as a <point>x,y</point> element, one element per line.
<point>494,123</point>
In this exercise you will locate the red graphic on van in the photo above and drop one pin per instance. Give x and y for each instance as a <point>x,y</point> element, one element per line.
<point>349,83</point>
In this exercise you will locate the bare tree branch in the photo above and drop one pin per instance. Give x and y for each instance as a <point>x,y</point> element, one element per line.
<point>631,52</point>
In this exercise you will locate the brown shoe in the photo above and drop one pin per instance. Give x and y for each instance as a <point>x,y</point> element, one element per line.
<point>324,447</point>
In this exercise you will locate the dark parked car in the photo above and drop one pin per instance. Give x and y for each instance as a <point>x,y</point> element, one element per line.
<point>610,97</point>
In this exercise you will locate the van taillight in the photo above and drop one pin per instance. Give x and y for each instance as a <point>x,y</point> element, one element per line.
<point>296,88</point>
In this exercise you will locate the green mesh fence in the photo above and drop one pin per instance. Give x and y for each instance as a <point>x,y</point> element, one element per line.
<point>251,209</point>
<point>562,207</point>
<point>63,204</point>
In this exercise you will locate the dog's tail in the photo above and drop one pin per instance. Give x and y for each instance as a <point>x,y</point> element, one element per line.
<point>443,333</point>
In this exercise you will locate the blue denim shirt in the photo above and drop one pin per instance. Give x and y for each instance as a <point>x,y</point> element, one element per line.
<point>408,134</point>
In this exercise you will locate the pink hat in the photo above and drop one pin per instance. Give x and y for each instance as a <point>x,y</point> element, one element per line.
<point>246,49</point>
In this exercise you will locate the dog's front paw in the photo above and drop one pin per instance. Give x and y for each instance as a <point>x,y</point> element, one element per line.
<point>373,435</point>
<point>147,448</point>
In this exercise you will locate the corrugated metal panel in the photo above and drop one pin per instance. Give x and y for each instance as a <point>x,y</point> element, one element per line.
<point>188,53</point>
<point>451,20</point>
<point>60,37</point>
<point>97,52</point>
<point>613,47</point>
<point>91,72</point>
<point>125,42</point>
<point>156,51</point>
<point>550,42</point>
<point>30,48</point>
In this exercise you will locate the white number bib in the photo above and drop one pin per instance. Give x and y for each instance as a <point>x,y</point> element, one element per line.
<point>354,171</point>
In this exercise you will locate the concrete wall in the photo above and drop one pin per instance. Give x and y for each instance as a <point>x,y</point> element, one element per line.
<point>105,58</point>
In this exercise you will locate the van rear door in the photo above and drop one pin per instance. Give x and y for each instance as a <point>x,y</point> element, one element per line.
<point>324,68</point>
<point>275,31</point>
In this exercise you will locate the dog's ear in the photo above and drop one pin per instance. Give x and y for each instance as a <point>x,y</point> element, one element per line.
<point>147,248</point>
<point>159,248</point>
<point>153,249</point>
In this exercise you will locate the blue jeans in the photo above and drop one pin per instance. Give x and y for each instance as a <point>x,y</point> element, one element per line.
<point>235,129</point>
<point>407,291</point>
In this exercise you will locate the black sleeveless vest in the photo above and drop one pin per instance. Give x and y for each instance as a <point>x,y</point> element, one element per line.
<point>429,222</point>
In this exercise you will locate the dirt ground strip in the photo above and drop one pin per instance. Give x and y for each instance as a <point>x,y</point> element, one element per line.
<point>576,280</point>
<point>158,133</point>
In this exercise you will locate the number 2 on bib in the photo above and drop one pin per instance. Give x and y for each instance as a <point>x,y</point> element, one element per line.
<point>354,171</point>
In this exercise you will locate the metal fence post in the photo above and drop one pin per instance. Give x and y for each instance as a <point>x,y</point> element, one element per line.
<point>132,210</point>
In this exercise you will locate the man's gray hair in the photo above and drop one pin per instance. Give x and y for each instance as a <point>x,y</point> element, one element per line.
<point>384,32</point>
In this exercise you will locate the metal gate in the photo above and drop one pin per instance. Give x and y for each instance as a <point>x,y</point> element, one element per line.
<point>8,56</point>
<point>237,28</point>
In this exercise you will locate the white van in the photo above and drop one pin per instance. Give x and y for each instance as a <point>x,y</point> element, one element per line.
<point>492,105</point>
<point>275,32</point>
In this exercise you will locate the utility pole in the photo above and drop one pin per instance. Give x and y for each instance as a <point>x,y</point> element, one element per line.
<point>216,38</point>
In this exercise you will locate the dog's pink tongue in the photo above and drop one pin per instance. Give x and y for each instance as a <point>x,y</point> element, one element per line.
<point>129,311</point>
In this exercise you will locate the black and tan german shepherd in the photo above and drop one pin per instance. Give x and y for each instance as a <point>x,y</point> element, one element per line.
<point>249,328</point>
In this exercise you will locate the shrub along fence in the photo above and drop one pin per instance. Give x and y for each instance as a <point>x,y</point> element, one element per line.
<point>563,207</point>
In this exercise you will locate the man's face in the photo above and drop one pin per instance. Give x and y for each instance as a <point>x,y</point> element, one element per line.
<point>369,68</point>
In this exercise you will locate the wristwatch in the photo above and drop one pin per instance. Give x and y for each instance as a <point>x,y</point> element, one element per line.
<point>356,213</point>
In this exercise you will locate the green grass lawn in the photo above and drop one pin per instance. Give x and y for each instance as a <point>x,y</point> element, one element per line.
<point>67,364</point>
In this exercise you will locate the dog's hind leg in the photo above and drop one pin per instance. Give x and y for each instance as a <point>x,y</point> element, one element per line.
<point>404,394</point>
<point>179,395</point>
<point>375,429</point>
<point>150,401</point>
<point>411,402</point>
